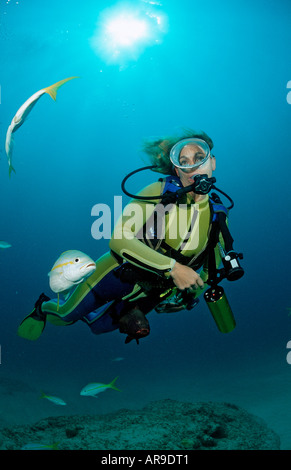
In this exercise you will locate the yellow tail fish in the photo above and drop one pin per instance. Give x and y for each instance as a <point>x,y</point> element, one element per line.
<point>23,112</point>
<point>93,389</point>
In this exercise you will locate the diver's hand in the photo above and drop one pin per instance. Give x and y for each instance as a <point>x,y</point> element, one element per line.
<point>185,277</point>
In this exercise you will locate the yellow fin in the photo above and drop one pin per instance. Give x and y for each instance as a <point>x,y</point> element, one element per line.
<point>54,446</point>
<point>112,385</point>
<point>52,90</point>
<point>10,170</point>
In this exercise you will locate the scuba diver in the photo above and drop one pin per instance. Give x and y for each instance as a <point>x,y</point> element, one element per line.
<point>164,257</point>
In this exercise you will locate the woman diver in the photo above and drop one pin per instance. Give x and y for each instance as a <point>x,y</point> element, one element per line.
<point>160,261</point>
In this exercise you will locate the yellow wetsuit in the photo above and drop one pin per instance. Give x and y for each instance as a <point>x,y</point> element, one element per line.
<point>186,231</point>
<point>127,240</point>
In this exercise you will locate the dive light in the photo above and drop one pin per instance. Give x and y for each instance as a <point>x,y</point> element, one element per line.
<point>230,260</point>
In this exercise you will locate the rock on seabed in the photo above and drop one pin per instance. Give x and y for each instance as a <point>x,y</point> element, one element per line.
<point>161,425</point>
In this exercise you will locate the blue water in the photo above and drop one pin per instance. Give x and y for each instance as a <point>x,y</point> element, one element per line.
<point>218,66</point>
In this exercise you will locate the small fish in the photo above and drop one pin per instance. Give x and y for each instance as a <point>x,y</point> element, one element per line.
<point>92,389</point>
<point>70,269</point>
<point>4,245</point>
<point>289,309</point>
<point>38,446</point>
<point>23,112</point>
<point>55,400</point>
<point>117,359</point>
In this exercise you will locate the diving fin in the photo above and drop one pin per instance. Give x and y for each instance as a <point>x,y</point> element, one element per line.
<point>33,325</point>
<point>30,328</point>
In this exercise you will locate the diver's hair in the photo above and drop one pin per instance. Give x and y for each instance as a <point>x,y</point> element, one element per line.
<point>158,150</point>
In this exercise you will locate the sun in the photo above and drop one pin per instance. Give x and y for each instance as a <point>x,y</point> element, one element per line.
<point>124,32</point>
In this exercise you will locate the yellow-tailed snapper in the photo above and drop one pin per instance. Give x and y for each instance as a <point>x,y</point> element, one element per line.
<point>92,389</point>
<point>55,400</point>
<point>23,112</point>
<point>4,245</point>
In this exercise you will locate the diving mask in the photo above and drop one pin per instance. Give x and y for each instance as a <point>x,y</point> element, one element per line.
<point>201,154</point>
